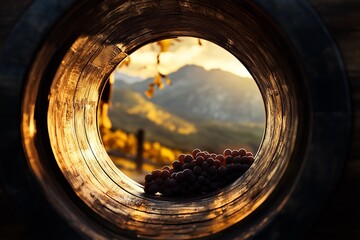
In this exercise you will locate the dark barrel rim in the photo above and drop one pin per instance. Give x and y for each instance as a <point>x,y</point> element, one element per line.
<point>318,94</point>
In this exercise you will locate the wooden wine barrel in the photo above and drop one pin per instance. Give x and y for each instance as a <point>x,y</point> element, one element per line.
<point>54,61</point>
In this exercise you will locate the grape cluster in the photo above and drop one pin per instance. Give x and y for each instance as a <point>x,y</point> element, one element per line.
<point>198,173</point>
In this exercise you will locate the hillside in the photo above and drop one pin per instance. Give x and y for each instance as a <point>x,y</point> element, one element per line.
<point>215,94</point>
<point>130,111</point>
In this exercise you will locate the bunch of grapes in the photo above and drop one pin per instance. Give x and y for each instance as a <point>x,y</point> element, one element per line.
<point>198,173</point>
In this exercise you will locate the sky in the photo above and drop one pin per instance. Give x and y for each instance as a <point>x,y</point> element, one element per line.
<point>183,51</point>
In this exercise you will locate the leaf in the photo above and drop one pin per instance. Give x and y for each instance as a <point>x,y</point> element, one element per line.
<point>158,81</point>
<point>150,92</point>
<point>164,45</point>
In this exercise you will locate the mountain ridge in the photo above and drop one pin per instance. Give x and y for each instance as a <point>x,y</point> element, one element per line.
<point>210,94</point>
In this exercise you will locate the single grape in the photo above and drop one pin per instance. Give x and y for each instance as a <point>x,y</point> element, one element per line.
<point>179,176</point>
<point>148,177</point>
<point>212,170</point>
<point>229,160</point>
<point>205,165</point>
<point>210,161</point>
<point>187,174</point>
<point>181,158</point>
<point>213,155</point>
<point>242,152</point>
<point>249,154</point>
<point>230,168</point>
<point>156,173</point>
<point>199,160</point>
<point>165,174</point>
<point>166,168</point>
<point>194,152</point>
<point>237,159</point>
<point>173,175</point>
<point>176,165</point>
<point>222,171</point>
<point>227,152</point>
<point>188,158</point>
<point>197,170</point>
<point>186,166</point>
<point>192,164</point>
<point>159,181</point>
<point>247,160</point>
<point>201,154</point>
<point>235,153</point>
<point>220,158</point>
<point>172,182</point>
<point>237,167</point>
<point>217,163</point>
<point>244,167</point>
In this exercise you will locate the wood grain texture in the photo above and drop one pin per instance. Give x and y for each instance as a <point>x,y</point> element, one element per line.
<point>341,218</point>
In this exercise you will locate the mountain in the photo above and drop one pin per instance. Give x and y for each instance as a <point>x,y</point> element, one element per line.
<point>196,93</point>
<point>126,78</point>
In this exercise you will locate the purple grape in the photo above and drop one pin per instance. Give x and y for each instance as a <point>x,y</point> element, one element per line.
<point>179,176</point>
<point>237,167</point>
<point>187,174</point>
<point>186,166</point>
<point>242,152</point>
<point>199,160</point>
<point>165,168</point>
<point>172,182</point>
<point>217,163</point>
<point>148,177</point>
<point>229,160</point>
<point>197,170</point>
<point>227,152</point>
<point>194,152</point>
<point>165,174</point>
<point>237,159</point>
<point>230,168</point>
<point>156,173</point>
<point>222,171</point>
<point>247,160</point>
<point>192,164</point>
<point>188,158</point>
<point>176,165</point>
<point>212,170</point>
<point>159,181</point>
<point>205,165</point>
<point>181,158</point>
<point>210,161</point>
<point>235,153</point>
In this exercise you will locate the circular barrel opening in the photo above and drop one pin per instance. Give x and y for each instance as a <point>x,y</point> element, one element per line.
<point>63,141</point>
<point>176,95</point>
